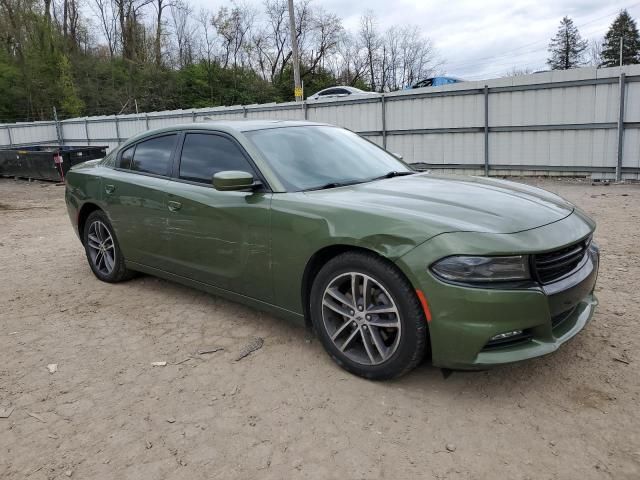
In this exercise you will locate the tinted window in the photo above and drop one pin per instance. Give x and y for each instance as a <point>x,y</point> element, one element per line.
<point>125,159</point>
<point>153,156</point>
<point>331,91</point>
<point>341,91</point>
<point>109,160</point>
<point>203,155</point>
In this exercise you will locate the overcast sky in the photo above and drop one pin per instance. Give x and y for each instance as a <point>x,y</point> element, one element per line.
<point>480,38</point>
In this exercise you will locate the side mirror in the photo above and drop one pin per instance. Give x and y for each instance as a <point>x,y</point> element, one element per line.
<point>397,155</point>
<point>232,180</point>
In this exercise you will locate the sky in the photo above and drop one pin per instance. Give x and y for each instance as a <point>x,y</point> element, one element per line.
<point>478,39</point>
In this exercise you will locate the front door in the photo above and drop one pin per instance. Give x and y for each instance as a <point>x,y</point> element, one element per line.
<point>218,238</point>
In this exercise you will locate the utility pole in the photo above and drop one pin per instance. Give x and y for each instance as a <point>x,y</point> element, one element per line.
<point>294,51</point>
<point>621,43</point>
<point>57,123</point>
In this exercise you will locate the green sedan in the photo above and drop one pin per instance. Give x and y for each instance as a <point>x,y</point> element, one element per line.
<point>314,223</point>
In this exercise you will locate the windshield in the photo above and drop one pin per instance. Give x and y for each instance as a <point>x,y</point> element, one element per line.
<point>311,157</point>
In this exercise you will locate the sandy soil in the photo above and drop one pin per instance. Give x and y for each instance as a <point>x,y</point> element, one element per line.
<point>287,411</point>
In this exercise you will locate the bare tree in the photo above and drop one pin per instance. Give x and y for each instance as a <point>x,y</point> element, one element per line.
<point>370,40</point>
<point>325,31</point>
<point>207,46</point>
<point>233,26</point>
<point>130,18</point>
<point>107,15</point>
<point>160,6</point>
<point>181,14</point>
<point>594,53</point>
<point>348,64</point>
<point>518,71</point>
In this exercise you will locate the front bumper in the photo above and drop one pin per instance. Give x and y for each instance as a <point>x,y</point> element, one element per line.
<point>465,319</point>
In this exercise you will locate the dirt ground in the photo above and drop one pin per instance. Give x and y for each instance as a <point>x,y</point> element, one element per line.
<point>286,411</point>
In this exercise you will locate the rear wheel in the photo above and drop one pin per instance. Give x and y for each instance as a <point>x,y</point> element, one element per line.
<point>368,316</point>
<point>103,251</point>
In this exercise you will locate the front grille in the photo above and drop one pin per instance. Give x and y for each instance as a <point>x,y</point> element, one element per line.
<point>551,266</point>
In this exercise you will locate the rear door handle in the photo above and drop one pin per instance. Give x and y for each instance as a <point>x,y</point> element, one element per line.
<point>174,206</point>
<point>109,188</point>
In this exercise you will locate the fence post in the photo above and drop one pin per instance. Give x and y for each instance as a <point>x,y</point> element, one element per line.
<point>304,108</point>
<point>58,130</point>
<point>86,130</point>
<point>117,129</point>
<point>620,129</point>
<point>193,116</point>
<point>384,121</point>
<point>9,134</point>
<point>244,112</point>
<point>146,120</point>
<point>486,130</point>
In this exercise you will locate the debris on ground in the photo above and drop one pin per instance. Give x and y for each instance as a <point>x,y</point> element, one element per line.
<point>451,447</point>
<point>149,445</point>
<point>37,417</point>
<point>158,364</point>
<point>52,367</point>
<point>204,351</point>
<point>68,473</point>
<point>622,360</point>
<point>255,344</point>
<point>6,412</point>
<point>182,361</point>
<point>171,420</point>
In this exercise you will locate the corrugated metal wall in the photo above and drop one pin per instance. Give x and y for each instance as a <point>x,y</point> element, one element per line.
<point>561,122</point>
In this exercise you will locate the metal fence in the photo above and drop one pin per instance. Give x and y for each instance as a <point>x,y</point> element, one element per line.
<point>576,122</point>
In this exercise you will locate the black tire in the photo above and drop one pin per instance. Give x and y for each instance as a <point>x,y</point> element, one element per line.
<point>412,343</point>
<point>118,271</point>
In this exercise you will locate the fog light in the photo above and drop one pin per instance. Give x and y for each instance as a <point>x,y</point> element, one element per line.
<point>502,336</point>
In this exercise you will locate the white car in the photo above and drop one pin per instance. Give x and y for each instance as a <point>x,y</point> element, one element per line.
<point>338,92</point>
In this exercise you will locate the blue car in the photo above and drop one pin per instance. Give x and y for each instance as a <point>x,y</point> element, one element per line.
<point>435,82</point>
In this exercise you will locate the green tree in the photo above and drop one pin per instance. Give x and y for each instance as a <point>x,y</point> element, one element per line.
<point>70,104</point>
<point>623,27</point>
<point>567,48</point>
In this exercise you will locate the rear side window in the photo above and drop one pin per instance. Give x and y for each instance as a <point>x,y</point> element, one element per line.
<point>125,158</point>
<point>203,155</point>
<point>153,156</point>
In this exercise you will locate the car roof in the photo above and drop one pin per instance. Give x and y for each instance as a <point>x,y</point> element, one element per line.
<point>228,126</point>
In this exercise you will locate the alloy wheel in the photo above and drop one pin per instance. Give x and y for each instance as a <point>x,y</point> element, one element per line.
<point>361,318</point>
<point>102,250</point>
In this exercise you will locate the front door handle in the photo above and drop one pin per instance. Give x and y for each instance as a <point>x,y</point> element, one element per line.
<point>174,206</point>
<point>109,189</point>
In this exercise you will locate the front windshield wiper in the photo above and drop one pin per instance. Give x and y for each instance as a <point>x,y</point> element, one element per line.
<point>392,174</point>
<point>353,182</point>
<point>334,185</point>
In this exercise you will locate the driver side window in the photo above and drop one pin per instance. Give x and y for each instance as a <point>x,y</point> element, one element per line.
<point>203,155</point>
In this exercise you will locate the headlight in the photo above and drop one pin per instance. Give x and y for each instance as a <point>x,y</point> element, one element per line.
<point>483,269</point>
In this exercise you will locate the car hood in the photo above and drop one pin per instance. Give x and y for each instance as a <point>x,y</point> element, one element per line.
<point>452,203</point>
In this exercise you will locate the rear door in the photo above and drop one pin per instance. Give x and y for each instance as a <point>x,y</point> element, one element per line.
<point>218,238</point>
<point>136,199</point>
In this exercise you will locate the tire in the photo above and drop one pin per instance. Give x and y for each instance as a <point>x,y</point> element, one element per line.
<point>102,249</point>
<point>383,334</point>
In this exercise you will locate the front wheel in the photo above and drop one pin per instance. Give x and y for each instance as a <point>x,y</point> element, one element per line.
<point>103,251</point>
<point>368,317</point>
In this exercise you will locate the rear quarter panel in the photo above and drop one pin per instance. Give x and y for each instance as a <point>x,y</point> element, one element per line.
<point>83,185</point>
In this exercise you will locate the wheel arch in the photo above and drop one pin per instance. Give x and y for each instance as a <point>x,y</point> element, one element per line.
<point>83,214</point>
<point>321,257</point>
